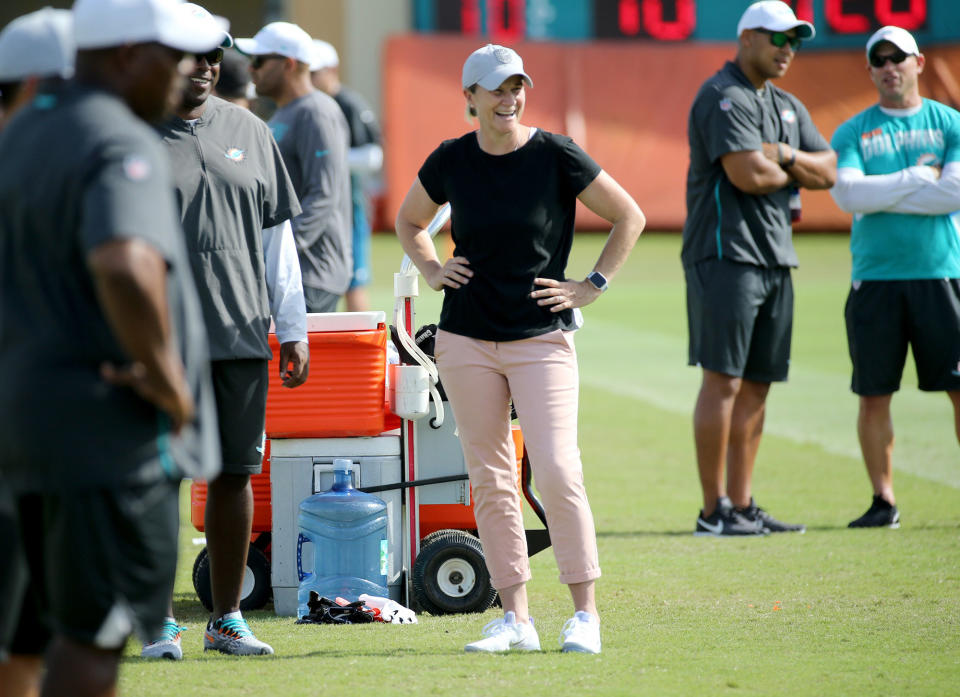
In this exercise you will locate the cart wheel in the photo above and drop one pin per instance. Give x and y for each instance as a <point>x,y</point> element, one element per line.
<point>450,574</point>
<point>256,589</point>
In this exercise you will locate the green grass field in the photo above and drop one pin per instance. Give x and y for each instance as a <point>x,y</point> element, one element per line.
<point>831,612</point>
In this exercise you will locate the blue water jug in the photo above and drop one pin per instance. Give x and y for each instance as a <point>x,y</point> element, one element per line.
<point>348,531</point>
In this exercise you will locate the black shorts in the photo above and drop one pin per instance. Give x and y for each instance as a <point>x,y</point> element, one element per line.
<point>884,316</point>
<point>93,565</point>
<point>740,319</point>
<point>240,389</point>
<point>17,628</point>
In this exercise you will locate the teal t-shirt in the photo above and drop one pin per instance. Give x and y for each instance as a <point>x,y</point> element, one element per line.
<point>898,246</point>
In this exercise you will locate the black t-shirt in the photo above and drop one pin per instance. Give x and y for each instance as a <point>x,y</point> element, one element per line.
<point>361,120</point>
<point>730,115</point>
<point>512,218</point>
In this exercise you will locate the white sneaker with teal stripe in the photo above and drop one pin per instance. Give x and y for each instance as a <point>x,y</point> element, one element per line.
<point>167,645</point>
<point>230,634</point>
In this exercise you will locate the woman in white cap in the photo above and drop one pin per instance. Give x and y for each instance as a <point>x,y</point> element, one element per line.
<point>506,328</point>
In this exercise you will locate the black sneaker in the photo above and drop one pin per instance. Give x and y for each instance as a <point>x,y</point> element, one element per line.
<point>725,521</point>
<point>881,514</point>
<point>754,513</point>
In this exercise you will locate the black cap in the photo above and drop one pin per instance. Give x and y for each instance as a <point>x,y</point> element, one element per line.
<point>234,75</point>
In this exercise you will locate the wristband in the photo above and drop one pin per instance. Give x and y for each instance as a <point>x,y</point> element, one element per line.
<point>793,158</point>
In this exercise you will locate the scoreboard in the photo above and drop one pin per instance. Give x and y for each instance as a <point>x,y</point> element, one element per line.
<point>839,23</point>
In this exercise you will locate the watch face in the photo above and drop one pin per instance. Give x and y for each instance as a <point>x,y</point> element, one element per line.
<point>598,280</point>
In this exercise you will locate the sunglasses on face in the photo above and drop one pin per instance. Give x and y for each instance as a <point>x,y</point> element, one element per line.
<point>214,57</point>
<point>878,61</point>
<point>257,61</point>
<point>780,39</point>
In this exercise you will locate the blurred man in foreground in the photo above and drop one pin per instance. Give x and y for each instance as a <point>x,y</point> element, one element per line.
<point>97,296</point>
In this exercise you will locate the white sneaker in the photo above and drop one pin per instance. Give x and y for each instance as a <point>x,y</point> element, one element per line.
<point>168,643</point>
<point>231,634</point>
<point>581,634</point>
<point>506,634</point>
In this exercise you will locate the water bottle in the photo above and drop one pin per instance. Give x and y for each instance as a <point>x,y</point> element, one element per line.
<point>347,530</point>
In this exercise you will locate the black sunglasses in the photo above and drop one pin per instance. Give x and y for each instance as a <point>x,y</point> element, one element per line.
<point>257,61</point>
<point>781,39</point>
<point>878,61</point>
<point>214,57</point>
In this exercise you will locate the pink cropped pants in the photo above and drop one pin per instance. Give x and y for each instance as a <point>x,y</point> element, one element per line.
<point>540,374</point>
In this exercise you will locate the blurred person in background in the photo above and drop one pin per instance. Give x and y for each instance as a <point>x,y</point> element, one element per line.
<point>899,174</point>
<point>365,158</point>
<point>752,145</point>
<point>234,84</point>
<point>96,289</point>
<point>37,53</point>
<point>314,140</point>
<point>507,324</point>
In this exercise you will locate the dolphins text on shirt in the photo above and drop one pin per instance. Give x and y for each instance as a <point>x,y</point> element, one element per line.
<point>879,142</point>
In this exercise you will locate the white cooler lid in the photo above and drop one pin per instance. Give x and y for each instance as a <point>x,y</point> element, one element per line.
<point>341,321</point>
<point>360,446</point>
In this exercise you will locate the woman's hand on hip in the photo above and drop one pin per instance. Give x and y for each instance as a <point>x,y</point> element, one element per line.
<point>454,273</point>
<point>563,295</point>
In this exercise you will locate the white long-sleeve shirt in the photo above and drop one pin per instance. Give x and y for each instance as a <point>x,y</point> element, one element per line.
<point>284,284</point>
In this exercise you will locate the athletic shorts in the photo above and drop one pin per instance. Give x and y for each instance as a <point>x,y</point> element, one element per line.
<point>319,300</point>
<point>94,565</point>
<point>361,245</point>
<point>17,628</point>
<point>884,316</point>
<point>740,319</point>
<point>240,389</point>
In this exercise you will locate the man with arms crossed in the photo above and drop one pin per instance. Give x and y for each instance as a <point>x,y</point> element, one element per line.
<point>235,201</point>
<point>97,298</point>
<point>751,143</point>
<point>899,174</point>
<point>313,137</point>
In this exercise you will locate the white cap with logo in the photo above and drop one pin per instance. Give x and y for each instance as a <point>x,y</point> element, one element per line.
<point>107,23</point>
<point>279,38</point>
<point>774,15</point>
<point>324,55</point>
<point>900,38</point>
<point>39,44</point>
<point>491,65</point>
<point>202,13</point>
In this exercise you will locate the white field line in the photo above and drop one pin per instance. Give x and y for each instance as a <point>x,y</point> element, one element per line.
<point>631,363</point>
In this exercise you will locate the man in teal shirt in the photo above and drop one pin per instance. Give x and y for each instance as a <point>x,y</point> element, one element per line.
<point>899,174</point>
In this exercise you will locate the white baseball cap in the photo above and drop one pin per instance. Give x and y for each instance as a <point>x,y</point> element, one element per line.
<point>900,38</point>
<point>39,44</point>
<point>282,39</point>
<point>774,15</point>
<point>106,23</point>
<point>202,13</point>
<point>324,55</point>
<point>491,65</point>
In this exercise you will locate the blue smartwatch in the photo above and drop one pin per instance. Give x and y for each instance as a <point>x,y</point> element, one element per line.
<point>597,280</point>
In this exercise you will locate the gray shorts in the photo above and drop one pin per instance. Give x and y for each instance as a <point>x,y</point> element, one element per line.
<point>318,300</point>
<point>884,316</point>
<point>740,319</point>
<point>92,565</point>
<point>240,389</point>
